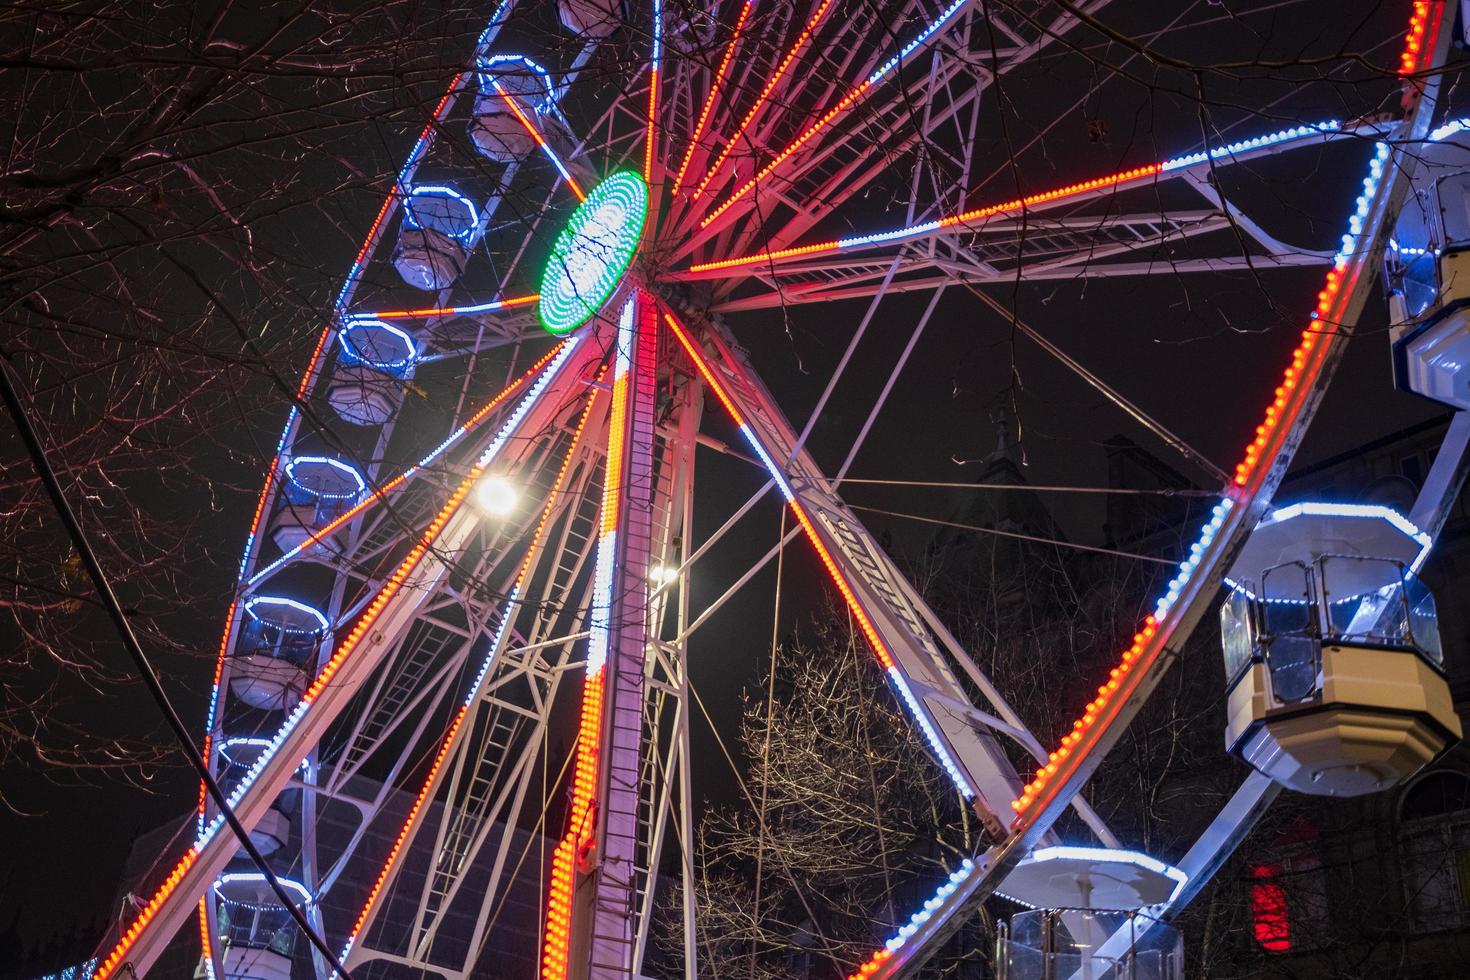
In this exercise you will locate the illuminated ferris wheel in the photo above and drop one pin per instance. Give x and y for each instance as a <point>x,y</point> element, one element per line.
<point>564,252</point>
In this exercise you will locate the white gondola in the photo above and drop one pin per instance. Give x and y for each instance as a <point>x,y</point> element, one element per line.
<point>261,934</point>
<point>434,241</point>
<point>1087,944</point>
<point>317,490</point>
<point>496,130</point>
<point>240,753</point>
<point>1429,273</point>
<point>278,642</point>
<point>367,384</point>
<point>591,19</point>
<point>1332,658</point>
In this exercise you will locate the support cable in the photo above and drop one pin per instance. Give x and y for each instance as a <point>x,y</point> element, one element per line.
<point>760,847</point>
<point>1035,538</point>
<point>1031,487</point>
<point>1138,414</point>
<point>124,628</point>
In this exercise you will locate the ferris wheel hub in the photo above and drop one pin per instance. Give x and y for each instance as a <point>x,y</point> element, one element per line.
<point>593,251</point>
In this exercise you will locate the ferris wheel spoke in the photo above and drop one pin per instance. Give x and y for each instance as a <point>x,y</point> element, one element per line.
<point>771,83</point>
<point>535,134</point>
<point>716,89</point>
<point>866,579</point>
<point>878,76</point>
<point>979,220</point>
<point>1037,250</point>
<point>490,676</point>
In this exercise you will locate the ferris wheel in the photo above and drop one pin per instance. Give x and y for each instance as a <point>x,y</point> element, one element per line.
<point>565,252</point>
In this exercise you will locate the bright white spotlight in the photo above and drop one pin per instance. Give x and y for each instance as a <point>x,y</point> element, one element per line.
<point>663,574</point>
<point>496,496</point>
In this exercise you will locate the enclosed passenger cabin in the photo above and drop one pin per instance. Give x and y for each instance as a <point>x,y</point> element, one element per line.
<point>318,489</point>
<point>591,19</point>
<point>279,638</point>
<point>239,754</point>
<point>1087,944</point>
<point>373,360</point>
<point>258,933</point>
<point>1333,668</point>
<point>1428,273</point>
<point>510,86</point>
<point>438,230</point>
<point>1093,916</point>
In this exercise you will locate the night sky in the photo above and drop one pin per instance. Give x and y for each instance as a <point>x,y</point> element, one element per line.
<point>1200,353</point>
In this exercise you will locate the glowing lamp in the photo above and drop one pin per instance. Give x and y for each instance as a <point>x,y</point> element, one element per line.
<point>592,252</point>
<point>496,496</point>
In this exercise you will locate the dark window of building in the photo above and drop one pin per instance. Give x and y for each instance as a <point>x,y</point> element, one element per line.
<point>1435,795</point>
<point>1413,468</point>
<point>1436,851</point>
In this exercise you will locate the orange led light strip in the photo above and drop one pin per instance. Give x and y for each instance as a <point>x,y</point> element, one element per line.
<point>797,47</point>
<point>455,726</point>
<point>541,142</point>
<point>500,304</point>
<point>327,529</point>
<point>714,90</point>
<point>880,649</point>
<point>653,62</point>
<point>977,214</point>
<point>1416,42</point>
<point>580,823</point>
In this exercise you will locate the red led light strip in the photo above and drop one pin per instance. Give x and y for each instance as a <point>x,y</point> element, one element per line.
<point>880,649</point>
<point>540,140</point>
<point>714,90</point>
<point>848,101</point>
<point>503,304</point>
<point>1043,197</point>
<point>1415,41</point>
<point>454,728</point>
<point>580,822</point>
<point>796,48</point>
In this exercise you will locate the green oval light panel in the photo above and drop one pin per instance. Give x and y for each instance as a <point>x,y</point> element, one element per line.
<point>592,252</point>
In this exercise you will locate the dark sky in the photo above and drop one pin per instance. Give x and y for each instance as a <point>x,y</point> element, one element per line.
<point>1200,353</point>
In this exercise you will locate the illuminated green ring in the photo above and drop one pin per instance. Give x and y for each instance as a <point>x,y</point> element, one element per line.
<point>592,252</point>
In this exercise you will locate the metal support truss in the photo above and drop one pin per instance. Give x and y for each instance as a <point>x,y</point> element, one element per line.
<point>357,658</point>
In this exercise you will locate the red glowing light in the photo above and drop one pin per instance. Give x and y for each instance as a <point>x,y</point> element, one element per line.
<point>796,48</point>
<point>1270,914</point>
<point>714,91</point>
